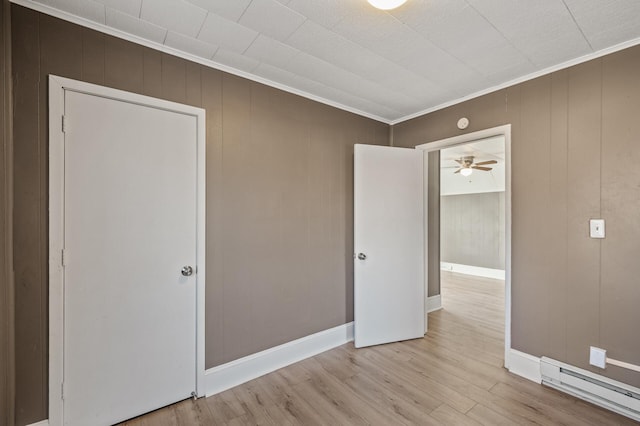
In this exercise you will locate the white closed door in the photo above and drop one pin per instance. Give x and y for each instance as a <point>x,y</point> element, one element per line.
<point>129,229</point>
<point>389,245</point>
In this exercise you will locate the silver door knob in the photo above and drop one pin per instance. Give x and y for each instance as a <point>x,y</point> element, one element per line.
<point>187,271</point>
<point>362,256</point>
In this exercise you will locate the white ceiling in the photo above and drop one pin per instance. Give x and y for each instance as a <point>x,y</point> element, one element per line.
<point>452,183</point>
<point>385,65</point>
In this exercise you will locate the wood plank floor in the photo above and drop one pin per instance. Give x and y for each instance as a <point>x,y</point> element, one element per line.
<point>453,376</point>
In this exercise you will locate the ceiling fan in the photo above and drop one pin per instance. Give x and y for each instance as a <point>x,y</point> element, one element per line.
<point>467,165</point>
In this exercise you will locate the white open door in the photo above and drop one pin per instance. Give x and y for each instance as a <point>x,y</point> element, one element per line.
<point>389,245</point>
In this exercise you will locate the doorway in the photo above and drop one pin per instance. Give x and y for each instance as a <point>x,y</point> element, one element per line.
<point>460,156</point>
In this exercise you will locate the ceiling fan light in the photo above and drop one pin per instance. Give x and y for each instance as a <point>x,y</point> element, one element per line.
<point>386,4</point>
<point>466,171</point>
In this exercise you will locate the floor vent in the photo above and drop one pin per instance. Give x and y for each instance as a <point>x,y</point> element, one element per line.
<point>592,387</point>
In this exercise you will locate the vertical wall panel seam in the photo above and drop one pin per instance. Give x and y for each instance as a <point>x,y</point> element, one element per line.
<point>4,264</point>
<point>550,294</point>
<point>144,63</point>
<point>600,242</point>
<point>8,275</point>
<point>566,287</point>
<point>566,199</point>
<point>44,235</point>
<point>42,243</point>
<point>221,186</point>
<point>42,282</point>
<point>162,91</point>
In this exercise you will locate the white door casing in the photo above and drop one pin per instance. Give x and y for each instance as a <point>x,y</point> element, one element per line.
<point>127,208</point>
<point>389,283</point>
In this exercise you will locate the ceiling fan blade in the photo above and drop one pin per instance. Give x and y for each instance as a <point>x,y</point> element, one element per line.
<point>482,163</point>
<point>457,161</point>
<point>486,169</point>
<point>457,171</point>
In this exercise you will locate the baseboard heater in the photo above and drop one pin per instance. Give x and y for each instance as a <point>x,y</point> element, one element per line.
<point>597,389</point>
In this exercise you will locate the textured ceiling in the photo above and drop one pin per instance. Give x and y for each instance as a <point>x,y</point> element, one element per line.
<point>386,65</point>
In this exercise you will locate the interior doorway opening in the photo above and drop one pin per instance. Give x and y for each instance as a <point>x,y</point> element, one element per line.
<point>468,197</point>
<point>472,243</point>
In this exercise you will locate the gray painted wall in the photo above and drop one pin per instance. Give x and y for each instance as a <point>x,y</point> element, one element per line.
<point>472,229</point>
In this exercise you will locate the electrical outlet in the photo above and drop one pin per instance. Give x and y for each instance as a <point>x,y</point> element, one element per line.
<point>598,357</point>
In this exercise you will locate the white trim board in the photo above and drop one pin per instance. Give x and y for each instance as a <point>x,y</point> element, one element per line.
<point>524,365</point>
<point>477,271</point>
<point>434,303</point>
<point>234,373</point>
<point>40,423</point>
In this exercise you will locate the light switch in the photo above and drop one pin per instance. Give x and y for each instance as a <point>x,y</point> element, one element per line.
<point>596,228</point>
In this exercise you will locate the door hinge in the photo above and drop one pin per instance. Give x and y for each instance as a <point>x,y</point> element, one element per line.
<point>62,390</point>
<point>64,123</point>
<point>62,258</point>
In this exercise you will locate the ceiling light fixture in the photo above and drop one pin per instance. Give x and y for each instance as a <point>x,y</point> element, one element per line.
<point>466,171</point>
<point>386,4</point>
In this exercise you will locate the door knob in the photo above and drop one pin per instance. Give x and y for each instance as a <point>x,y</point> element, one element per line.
<point>362,256</point>
<point>187,271</point>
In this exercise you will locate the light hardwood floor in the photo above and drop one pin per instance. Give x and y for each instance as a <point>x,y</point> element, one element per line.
<point>453,376</point>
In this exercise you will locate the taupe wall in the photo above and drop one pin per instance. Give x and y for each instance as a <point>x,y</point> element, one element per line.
<point>575,151</point>
<point>472,229</point>
<point>6,240</point>
<point>279,194</point>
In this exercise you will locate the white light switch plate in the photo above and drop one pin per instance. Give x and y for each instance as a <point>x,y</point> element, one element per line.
<point>596,228</point>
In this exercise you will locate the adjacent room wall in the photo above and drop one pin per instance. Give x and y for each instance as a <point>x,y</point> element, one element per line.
<point>279,194</point>
<point>433,226</point>
<point>472,229</point>
<point>575,156</point>
<point>6,239</point>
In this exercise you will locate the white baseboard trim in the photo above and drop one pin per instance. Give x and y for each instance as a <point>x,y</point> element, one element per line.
<point>478,271</point>
<point>524,365</point>
<point>434,303</point>
<point>242,370</point>
<point>40,423</point>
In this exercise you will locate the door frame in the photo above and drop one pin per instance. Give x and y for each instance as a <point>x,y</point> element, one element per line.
<point>57,88</point>
<point>505,131</point>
